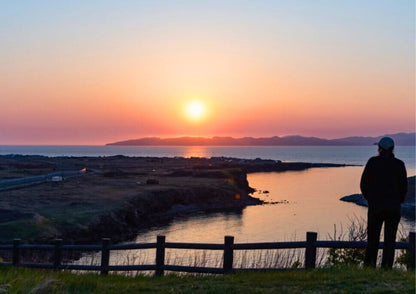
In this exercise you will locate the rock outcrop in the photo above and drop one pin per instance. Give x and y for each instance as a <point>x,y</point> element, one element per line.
<point>408,206</point>
<point>159,206</point>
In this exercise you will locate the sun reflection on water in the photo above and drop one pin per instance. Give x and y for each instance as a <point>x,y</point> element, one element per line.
<point>195,151</point>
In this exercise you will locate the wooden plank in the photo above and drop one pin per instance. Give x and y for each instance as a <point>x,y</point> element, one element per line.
<point>354,244</point>
<point>228,254</point>
<point>82,247</point>
<point>105,256</point>
<point>143,267</point>
<point>57,257</point>
<point>202,246</point>
<point>160,255</point>
<point>310,252</point>
<point>132,246</point>
<point>341,244</point>
<point>16,252</point>
<point>401,245</point>
<point>37,246</point>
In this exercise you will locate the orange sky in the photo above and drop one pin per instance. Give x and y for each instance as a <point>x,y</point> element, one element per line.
<point>86,74</point>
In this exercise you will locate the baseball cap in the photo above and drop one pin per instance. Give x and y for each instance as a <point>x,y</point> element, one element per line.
<point>386,143</point>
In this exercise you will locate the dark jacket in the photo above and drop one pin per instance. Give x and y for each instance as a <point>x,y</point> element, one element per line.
<point>384,181</point>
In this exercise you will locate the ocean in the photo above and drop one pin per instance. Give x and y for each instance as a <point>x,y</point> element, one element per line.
<point>357,155</point>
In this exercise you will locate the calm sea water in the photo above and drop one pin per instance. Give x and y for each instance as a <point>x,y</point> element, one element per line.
<point>334,154</point>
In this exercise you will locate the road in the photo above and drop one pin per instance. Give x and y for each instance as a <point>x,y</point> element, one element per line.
<point>28,181</point>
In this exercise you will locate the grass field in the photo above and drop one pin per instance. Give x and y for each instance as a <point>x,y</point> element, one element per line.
<point>113,197</point>
<point>329,280</point>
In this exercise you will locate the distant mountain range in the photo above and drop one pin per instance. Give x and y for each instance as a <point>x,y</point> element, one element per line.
<point>403,139</point>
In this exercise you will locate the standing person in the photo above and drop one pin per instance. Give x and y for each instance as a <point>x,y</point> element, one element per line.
<point>384,185</point>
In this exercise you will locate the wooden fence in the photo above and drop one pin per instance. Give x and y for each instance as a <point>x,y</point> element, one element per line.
<point>228,248</point>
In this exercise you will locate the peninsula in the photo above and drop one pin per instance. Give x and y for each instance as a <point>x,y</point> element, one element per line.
<point>82,199</point>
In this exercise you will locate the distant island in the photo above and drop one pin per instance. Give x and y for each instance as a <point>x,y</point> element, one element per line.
<point>402,139</point>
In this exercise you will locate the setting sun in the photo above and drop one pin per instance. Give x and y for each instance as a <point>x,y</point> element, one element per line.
<point>195,110</point>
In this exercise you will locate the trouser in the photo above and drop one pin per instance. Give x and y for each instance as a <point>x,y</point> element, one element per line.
<point>376,216</point>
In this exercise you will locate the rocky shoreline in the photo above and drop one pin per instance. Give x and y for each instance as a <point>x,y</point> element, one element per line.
<point>408,206</point>
<point>119,195</point>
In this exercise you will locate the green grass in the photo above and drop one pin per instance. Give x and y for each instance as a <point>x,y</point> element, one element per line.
<point>24,229</point>
<point>330,280</point>
<point>48,222</point>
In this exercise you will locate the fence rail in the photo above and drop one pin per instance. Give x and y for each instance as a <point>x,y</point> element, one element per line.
<point>310,245</point>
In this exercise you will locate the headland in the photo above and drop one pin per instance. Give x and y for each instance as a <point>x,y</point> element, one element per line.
<point>82,199</point>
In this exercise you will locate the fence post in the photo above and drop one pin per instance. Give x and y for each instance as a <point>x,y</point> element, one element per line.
<point>160,255</point>
<point>228,254</point>
<point>16,253</point>
<point>105,256</point>
<point>57,254</point>
<point>411,249</point>
<point>310,252</point>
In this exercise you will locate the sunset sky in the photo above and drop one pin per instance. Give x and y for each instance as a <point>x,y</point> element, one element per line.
<point>93,72</point>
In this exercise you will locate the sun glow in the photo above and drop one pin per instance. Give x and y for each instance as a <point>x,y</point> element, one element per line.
<point>195,110</point>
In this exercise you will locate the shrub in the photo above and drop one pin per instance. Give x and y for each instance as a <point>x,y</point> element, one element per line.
<point>357,231</point>
<point>404,258</point>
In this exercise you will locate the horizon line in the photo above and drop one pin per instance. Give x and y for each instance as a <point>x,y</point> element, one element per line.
<point>204,137</point>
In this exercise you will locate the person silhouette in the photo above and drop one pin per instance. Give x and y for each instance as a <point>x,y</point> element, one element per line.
<point>384,185</point>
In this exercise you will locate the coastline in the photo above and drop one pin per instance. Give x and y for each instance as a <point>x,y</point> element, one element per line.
<point>408,206</point>
<point>120,195</point>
